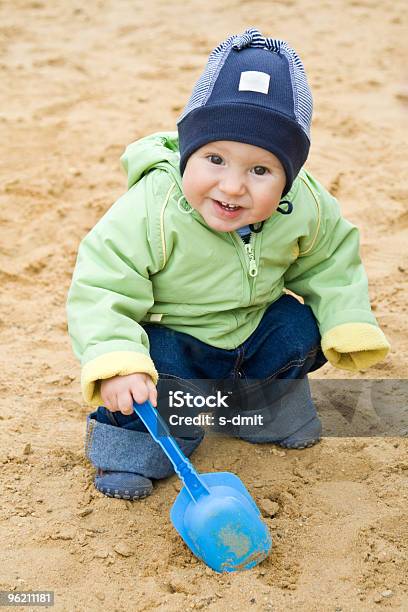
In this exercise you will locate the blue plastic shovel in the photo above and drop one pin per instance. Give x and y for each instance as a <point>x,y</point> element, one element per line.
<point>214,513</point>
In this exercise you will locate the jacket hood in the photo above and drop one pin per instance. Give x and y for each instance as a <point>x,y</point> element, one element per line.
<point>157,150</point>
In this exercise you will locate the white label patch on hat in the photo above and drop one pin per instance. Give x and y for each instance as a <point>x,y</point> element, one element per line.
<point>252,80</point>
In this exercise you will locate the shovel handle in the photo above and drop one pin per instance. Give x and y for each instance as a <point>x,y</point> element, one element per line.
<point>160,433</point>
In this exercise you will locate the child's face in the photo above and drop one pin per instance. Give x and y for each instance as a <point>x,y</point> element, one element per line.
<point>249,178</point>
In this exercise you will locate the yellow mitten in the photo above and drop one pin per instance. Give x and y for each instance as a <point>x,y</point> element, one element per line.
<point>118,363</point>
<point>354,346</point>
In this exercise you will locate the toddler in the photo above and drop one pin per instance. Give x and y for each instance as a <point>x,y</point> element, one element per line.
<point>189,275</point>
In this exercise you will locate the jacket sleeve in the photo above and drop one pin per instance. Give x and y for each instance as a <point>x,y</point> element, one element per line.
<point>111,292</point>
<point>331,279</point>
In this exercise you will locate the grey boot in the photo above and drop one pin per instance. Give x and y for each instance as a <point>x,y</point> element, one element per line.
<point>127,460</point>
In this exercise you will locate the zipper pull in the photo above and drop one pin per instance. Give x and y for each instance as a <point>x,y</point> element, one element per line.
<point>253,269</point>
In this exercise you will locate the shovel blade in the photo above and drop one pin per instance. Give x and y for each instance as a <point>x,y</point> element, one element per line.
<point>224,529</point>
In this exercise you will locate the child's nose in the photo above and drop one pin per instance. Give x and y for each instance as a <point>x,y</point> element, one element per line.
<point>232,184</point>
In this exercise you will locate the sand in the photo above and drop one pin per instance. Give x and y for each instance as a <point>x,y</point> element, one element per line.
<point>79,82</point>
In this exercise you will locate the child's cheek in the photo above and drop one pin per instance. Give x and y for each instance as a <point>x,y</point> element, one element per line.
<point>187,190</point>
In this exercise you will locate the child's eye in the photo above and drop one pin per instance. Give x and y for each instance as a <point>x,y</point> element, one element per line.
<point>262,169</point>
<point>217,158</point>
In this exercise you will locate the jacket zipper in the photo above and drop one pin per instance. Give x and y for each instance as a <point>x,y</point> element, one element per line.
<point>248,261</point>
<point>252,267</point>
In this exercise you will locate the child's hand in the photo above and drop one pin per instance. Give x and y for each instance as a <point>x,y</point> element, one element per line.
<point>119,392</point>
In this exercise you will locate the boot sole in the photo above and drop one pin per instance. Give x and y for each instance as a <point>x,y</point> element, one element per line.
<point>117,494</point>
<point>299,446</point>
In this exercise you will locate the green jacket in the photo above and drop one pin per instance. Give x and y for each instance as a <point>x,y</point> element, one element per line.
<point>151,258</point>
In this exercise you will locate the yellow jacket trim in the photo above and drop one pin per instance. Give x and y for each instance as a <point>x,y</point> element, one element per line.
<point>316,199</point>
<point>354,346</point>
<point>119,363</point>
<point>163,241</point>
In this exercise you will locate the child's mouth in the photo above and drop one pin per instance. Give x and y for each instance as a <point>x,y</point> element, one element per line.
<point>227,209</point>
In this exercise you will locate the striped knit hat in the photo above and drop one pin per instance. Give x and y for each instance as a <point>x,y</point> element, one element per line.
<point>253,90</point>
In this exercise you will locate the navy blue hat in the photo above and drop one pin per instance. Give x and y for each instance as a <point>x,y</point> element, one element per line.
<point>253,90</point>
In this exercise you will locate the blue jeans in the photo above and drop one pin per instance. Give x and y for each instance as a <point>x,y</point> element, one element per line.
<point>285,346</point>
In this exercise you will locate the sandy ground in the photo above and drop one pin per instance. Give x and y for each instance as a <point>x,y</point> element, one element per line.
<point>80,81</point>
